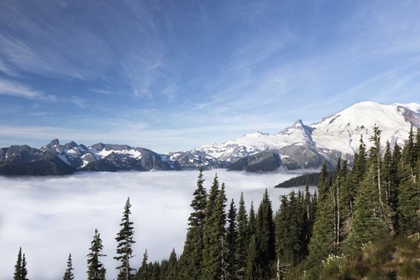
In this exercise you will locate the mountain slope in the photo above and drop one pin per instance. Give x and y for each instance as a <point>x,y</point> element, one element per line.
<point>28,161</point>
<point>307,146</point>
<point>295,147</point>
<point>109,157</point>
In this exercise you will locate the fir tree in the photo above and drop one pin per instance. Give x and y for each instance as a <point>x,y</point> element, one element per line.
<point>125,241</point>
<point>18,267</point>
<point>242,240</point>
<point>409,154</point>
<point>252,247</point>
<point>96,270</point>
<point>252,271</point>
<point>231,240</point>
<point>172,271</point>
<point>143,272</point>
<point>289,235</point>
<point>191,259</point>
<point>323,234</point>
<point>324,183</point>
<point>359,169</point>
<point>156,271</point>
<point>308,220</point>
<point>408,202</point>
<point>24,269</point>
<point>265,234</point>
<point>214,254</point>
<point>368,224</point>
<point>68,275</point>
<point>252,224</point>
<point>417,146</point>
<point>21,271</point>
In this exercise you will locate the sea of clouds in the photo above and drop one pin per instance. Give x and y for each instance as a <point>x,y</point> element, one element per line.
<point>54,216</point>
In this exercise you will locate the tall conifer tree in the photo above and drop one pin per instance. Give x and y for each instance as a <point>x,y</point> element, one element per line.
<point>242,240</point>
<point>215,247</point>
<point>172,271</point>
<point>368,224</point>
<point>409,201</point>
<point>231,240</point>
<point>324,182</point>
<point>125,242</point>
<point>265,234</point>
<point>24,269</point>
<point>191,259</point>
<point>96,270</point>
<point>143,272</point>
<point>68,275</point>
<point>18,267</point>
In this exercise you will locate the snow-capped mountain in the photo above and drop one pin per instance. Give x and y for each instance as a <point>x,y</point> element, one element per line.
<point>109,157</point>
<point>308,146</point>
<point>295,147</point>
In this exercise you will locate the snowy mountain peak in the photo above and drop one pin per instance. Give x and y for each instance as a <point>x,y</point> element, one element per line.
<point>335,135</point>
<point>255,134</point>
<point>342,131</point>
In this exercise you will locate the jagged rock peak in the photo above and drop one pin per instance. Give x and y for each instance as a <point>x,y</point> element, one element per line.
<point>54,142</point>
<point>71,145</point>
<point>98,146</point>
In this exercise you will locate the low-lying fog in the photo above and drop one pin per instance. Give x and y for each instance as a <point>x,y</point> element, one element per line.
<point>52,217</point>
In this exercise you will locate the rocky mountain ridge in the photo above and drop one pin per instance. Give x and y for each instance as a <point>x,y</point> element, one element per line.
<point>295,147</point>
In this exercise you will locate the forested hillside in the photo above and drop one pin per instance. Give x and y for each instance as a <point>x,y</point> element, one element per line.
<point>332,234</point>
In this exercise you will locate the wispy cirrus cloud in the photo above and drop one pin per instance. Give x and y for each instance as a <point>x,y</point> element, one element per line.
<point>20,90</point>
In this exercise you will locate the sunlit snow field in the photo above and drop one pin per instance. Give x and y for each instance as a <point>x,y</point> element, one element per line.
<point>52,217</point>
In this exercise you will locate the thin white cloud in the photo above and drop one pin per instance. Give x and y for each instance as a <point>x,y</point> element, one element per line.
<point>20,90</point>
<point>78,101</point>
<point>101,91</point>
<point>51,217</point>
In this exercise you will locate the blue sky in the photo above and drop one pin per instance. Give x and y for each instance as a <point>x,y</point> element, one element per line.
<point>174,75</point>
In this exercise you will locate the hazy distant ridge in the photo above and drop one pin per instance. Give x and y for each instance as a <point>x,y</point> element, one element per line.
<point>295,147</point>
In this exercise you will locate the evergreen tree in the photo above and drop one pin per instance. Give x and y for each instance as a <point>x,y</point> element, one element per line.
<point>323,234</point>
<point>324,182</point>
<point>408,202</point>
<point>156,271</point>
<point>21,271</point>
<point>96,270</point>
<point>143,272</point>
<point>18,267</point>
<point>265,235</point>
<point>252,271</point>
<point>417,146</point>
<point>409,154</point>
<point>68,275</point>
<point>191,259</point>
<point>242,240</point>
<point>289,229</point>
<point>24,269</point>
<point>172,271</point>
<point>125,241</point>
<point>308,220</point>
<point>252,247</point>
<point>368,224</point>
<point>386,172</point>
<point>359,168</point>
<point>252,224</point>
<point>231,240</point>
<point>215,249</point>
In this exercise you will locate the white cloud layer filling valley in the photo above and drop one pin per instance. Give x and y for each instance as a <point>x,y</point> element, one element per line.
<point>54,216</point>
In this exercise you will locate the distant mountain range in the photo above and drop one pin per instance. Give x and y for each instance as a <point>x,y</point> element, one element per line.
<point>299,146</point>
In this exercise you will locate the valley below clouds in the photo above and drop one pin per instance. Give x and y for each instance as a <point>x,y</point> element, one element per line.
<point>51,217</point>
